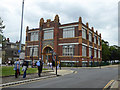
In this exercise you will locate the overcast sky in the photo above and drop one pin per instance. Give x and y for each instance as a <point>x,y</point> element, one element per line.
<point>101,14</point>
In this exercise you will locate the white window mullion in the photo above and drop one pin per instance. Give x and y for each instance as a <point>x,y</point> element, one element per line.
<point>48,34</point>
<point>68,32</point>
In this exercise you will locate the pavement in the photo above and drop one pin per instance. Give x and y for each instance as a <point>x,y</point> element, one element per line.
<point>112,84</point>
<point>11,80</point>
<point>115,85</point>
<point>108,66</point>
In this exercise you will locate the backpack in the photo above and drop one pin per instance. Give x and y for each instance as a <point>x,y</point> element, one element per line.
<point>38,63</point>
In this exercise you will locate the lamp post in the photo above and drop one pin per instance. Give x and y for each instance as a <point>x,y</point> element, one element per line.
<point>21,28</point>
<point>100,64</point>
<point>60,64</point>
<point>55,55</point>
<point>56,61</point>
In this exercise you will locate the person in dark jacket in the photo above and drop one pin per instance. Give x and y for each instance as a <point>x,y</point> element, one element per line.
<point>39,65</point>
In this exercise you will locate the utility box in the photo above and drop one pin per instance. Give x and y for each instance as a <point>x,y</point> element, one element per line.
<point>22,56</point>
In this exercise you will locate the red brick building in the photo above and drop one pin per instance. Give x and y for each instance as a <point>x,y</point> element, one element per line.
<point>73,42</point>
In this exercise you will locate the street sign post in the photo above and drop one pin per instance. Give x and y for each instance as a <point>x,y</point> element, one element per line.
<point>91,60</point>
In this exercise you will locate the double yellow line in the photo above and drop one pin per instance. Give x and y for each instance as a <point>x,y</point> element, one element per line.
<point>109,83</point>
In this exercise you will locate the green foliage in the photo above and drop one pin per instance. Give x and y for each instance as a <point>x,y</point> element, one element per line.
<point>110,52</point>
<point>6,71</point>
<point>105,63</point>
<point>105,51</point>
<point>1,25</point>
<point>113,53</point>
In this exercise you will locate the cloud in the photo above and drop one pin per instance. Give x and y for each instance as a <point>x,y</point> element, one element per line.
<point>101,14</point>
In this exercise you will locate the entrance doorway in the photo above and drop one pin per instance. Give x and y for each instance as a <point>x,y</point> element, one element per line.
<point>47,55</point>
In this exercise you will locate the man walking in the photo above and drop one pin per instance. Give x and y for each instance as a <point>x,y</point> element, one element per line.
<point>39,65</point>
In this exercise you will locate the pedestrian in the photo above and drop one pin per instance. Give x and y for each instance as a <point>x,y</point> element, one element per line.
<point>17,68</point>
<point>39,67</point>
<point>25,66</point>
<point>6,63</point>
<point>9,62</point>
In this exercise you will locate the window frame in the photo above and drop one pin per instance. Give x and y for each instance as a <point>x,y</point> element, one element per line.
<point>95,39</point>
<point>48,34</point>
<point>84,52</point>
<point>35,53</point>
<point>34,36</point>
<point>95,53</point>
<point>68,50</point>
<point>90,36</point>
<point>67,33</point>
<point>84,33</point>
<point>90,51</point>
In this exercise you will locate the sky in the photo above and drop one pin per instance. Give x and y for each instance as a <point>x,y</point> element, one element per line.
<point>100,14</point>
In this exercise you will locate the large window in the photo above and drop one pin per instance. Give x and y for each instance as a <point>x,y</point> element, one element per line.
<point>90,52</point>
<point>48,34</point>
<point>98,53</point>
<point>95,53</point>
<point>84,33</point>
<point>83,50</point>
<point>95,38</point>
<point>68,32</point>
<point>34,36</point>
<point>98,40</point>
<point>68,50</point>
<point>90,36</point>
<point>34,50</point>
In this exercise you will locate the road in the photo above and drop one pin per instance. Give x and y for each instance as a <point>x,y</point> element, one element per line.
<point>84,78</point>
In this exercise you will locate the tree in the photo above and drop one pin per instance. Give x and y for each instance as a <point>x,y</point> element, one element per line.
<point>105,51</point>
<point>1,30</point>
<point>110,53</point>
<point>1,25</point>
<point>113,53</point>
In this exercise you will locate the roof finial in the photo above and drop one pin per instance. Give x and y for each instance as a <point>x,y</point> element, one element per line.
<point>56,18</point>
<point>80,20</point>
<point>41,22</point>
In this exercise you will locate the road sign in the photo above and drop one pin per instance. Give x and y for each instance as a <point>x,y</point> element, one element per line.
<point>18,51</point>
<point>22,55</point>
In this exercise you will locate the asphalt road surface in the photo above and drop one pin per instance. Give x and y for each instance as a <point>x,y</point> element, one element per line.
<point>84,78</point>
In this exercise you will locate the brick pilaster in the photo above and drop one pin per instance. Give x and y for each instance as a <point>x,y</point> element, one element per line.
<point>40,37</point>
<point>87,51</point>
<point>56,29</point>
<point>80,39</point>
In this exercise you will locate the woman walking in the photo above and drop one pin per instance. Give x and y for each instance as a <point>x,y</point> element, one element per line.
<point>25,65</point>
<point>17,68</point>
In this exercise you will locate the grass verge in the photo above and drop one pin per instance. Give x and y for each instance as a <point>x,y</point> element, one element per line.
<point>9,70</point>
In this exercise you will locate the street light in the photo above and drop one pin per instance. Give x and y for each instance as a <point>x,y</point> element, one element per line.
<point>56,61</point>
<point>21,28</point>
<point>55,55</point>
